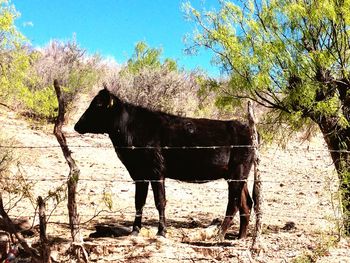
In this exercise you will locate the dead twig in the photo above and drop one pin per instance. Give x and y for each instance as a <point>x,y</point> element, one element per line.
<point>6,106</point>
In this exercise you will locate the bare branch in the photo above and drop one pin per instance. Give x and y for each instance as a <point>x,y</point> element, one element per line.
<point>10,225</point>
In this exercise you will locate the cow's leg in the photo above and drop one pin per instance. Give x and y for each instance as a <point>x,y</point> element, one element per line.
<point>140,200</point>
<point>159,199</point>
<point>234,190</point>
<point>244,211</point>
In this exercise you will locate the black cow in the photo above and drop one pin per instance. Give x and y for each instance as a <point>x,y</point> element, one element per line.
<point>154,145</point>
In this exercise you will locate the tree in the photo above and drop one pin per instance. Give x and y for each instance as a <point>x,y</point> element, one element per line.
<point>10,38</point>
<point>14,60</point>
<point>292,56</point>
<point>147,57</point>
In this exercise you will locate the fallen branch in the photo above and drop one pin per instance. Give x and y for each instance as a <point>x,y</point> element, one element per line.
<point>6,106</point>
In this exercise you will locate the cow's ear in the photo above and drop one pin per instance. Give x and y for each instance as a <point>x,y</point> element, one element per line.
<point>105,86</point>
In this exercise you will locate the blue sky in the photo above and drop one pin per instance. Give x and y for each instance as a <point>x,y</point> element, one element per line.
<point>113,27</point>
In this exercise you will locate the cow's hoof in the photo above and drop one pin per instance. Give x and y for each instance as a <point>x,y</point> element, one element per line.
<point>135,231</point>
<point>220,236</point>
<point>161,233</point>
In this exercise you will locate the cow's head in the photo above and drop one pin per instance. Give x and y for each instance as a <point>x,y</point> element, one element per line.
<point>98,117</point>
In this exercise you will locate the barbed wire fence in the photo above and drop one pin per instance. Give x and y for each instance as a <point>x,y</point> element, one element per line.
<point>299,186</point>
<point>326,167</point>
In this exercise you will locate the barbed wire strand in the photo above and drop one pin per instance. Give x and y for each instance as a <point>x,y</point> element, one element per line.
<point>160,181</point>
<point>165,147</point>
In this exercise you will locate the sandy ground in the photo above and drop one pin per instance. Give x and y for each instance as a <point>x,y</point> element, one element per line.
<point>300,212</point>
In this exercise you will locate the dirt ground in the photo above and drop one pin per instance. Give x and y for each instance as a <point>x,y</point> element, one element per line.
<point>300,210</point>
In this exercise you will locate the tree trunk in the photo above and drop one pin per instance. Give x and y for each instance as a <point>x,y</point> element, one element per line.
<point>338,143</point>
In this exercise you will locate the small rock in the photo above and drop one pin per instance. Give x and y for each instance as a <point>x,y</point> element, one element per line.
<point>216,221</point>
<point>289,226</point>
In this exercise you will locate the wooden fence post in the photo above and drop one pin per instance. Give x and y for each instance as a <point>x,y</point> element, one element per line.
<point>73,177</point>
<point>257,190</point>
<point>45,248</point>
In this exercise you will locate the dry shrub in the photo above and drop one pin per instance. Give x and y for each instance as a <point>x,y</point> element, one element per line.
<point>158,89</point>
<point>14,185</point>
<point>67,62</point>
<point>76,71</point>
<point>6,157</point>
<point>171,91</point>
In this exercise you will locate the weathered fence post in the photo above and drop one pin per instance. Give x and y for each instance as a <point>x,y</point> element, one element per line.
<point>45,248</point>
<point>257,193</point>
<point>73,177</point>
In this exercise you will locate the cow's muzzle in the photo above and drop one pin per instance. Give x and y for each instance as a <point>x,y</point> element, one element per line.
<point>79,128</point>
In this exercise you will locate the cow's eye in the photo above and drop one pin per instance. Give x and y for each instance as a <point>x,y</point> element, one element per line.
<point>99,103</point>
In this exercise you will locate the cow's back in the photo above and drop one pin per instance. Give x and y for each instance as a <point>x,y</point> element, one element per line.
<point>203,149</point>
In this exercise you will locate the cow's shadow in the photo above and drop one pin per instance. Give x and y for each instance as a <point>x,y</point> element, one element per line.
<point>112,228</point>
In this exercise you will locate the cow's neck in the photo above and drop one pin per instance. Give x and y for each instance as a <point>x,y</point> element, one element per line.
<point>120,135</point>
